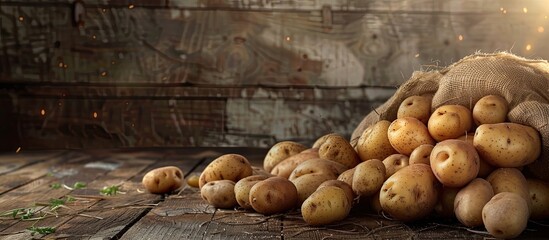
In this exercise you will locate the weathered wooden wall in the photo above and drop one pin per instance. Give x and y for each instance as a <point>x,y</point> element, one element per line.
<point>230,72</point>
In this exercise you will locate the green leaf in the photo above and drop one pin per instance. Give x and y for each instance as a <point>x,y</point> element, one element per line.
<point>41,230</point>
<point>79,185</point>
<point>55,185</point>
<point>110,190</point>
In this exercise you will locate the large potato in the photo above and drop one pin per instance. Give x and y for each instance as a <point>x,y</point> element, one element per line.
<point>326,205</point>
<point>406,134</point>
<point>242,189</point>
<point>490,109</point>
<point>163,180</point>
<point>219,193</point>
<point>410,193</point>
<point>273,195</point>
<point>323,139</point>
<point>285,168</point>
<point>226,167</point>
<point>421,154</point>
<point>470,200</point>
<point>394,163</point>
<point>281,151</point>
<point>368,177</point>
<point>417,107</point>
<point>338,149</point>
<point>507,144</point>
<point>505,215</point>
<point>340,184</point>
<point>374,143</point>
<point>539,195</point>
<point>510,180</point>
<point>454,162</point>
<point>449,121</point>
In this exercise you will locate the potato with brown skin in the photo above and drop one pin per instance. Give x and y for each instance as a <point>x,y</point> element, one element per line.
<point>242,189</point>
<point>308,183</point>
<point>285,168</point>
<point>406,134</point>
<point>470,200</point>
<point>338,149</point>
<point>410,194</point>
<point>490,109</point>
<point>163,180</point>
<point>449,121</point>
<point>507,144</point>
<point>374,143</point>
<point>347,176</point>
<point>417,107</point>
<point>219,193</point>
<point>368,177</point>
<point>445,203</point>
<point>539,195</point>
<point>192,180</point>
<point>326,205</point>
<point>281,151</point>
<point>340,184</point>
<point>454,162</point>
<point>505,215</point>
<point>323,139</point>
<point>394,163</point>
<point>510,180</point>
<point>226,167</point>
<point>273,195</point>
<point>309,175</point>
<point>421,154</point>
<point>485,168</point>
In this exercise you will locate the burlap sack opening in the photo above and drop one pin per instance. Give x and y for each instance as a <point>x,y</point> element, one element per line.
<point>524,83</point>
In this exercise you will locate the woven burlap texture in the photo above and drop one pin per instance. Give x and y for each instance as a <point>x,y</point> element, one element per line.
<point>524,83</point>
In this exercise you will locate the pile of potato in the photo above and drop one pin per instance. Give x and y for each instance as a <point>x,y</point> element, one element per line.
<point>454,162</point>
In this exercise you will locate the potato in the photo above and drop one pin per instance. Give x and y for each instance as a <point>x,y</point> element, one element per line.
<point>406,134</point>
<point>226,167</point>
<point>507,144</point>
<point>445,204</point>
<point>510,180</point>
<point>374,143</point>
<point>454,162</point>
<point>449,121</point>
<point>505,215</point>
<point>470,200</point>
<point>242,189</point>
<point>281,151</point>
<point>410,193</point>
<point>421,154</point>
<point>273,195</point>
<point>485,168</point>
<point>308,183</point>
<point>347,176</point>
<point>219,193</point>
<point>308,175</point>
<point>326,205</point>
<point>490,109</point>
<point>285,168</point>
<point>375,204</point>
<point>539,195</point>
<point>368,177</point>
<point>340,184</point>
<point>338,149</point>
<point>417,107</point>
<point>163,180</point>
<point>192,180</point>
<point>260,171</point>
<point>394,163</point>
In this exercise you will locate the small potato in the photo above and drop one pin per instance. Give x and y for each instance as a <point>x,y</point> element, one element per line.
<point>242,189</point>
<point>507,144</point>
<point>406,134</point>
<point>449,121</point>
<point>510,180</point>
<point>368,177</point>
<point>163,180</point>
<point>454,162</point>
<point>326,205</point>
<point>340,184</point>
<point>347,176</point>
<point>273,195</point>
<point>490,109</point>
<point>421,154</point>
<point>285,168</point>
<point>226,167</point>
<point>505,215</point>
<point>410,194</point>
<point>445,203</point>
<point>192,180</point>
<point>539,195</point>
<point>281,151</point>
<point>394,163</point>
<point>338,149</point>
<point>219,193</point>
<point>417,107</point>
<point>374,143</point>
<point>470,200</point>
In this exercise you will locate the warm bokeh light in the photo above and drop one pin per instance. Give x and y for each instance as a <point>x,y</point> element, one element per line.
<point>288,38</point>
<point>460,37</point>
<point>18,150</point>
<point>103,74</point>
<point>131,6</point>
<point>528,47</point>
<point>21,18</point>
<point>541,29</point>
<point>525,10</point>
<point>504,11</point>
<point>417,55</point>
<point>42,112</point>
<point>94,114</point>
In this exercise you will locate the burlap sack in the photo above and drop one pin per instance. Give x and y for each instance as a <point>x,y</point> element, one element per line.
<point>522,82</point>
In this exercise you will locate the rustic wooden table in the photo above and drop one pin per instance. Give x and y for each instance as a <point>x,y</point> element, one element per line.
<point>29,181</point>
